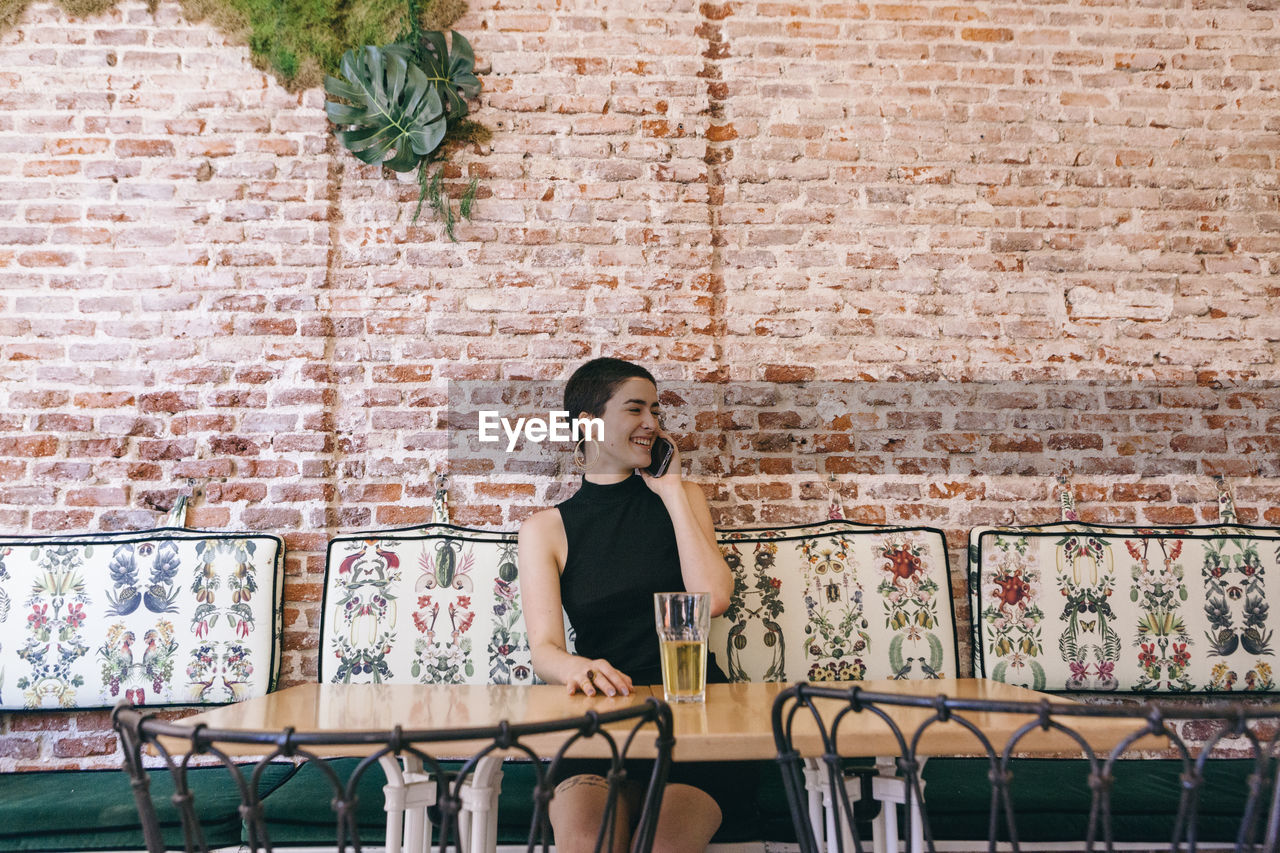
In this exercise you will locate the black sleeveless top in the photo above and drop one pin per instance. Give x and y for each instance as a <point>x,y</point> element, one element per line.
<point>622,549</point>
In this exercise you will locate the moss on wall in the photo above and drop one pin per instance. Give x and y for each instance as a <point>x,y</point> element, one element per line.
<point>298,41</point>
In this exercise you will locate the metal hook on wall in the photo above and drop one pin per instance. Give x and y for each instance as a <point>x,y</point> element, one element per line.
<point>1226,501</point>
<point>835,507</point>
<point>1066,499</point>
<point>177,514</point>
<point>440,501</point>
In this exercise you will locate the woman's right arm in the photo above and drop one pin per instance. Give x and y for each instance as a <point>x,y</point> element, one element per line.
<point>542,551</point>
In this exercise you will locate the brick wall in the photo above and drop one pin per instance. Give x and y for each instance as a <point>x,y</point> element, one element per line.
<point>198,292</point>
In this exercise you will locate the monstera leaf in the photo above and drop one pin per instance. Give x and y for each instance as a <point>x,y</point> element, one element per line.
<point>454,74</point>
<point>393,109</point>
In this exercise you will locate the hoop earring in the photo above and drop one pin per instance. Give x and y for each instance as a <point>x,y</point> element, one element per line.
<point>580,455</point>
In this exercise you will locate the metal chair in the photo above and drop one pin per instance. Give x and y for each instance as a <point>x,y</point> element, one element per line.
<point>1006,738</point>
<point>178,750</point>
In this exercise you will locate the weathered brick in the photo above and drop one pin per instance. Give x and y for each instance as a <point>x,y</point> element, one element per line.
<point>85,745</point>
<point>196,281</point>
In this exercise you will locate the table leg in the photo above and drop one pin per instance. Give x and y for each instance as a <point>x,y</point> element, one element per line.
<point>884,829</point>
<point>410,791</point>
<point>813,785</point>
<point>853,793</point>
<point>480,806</point>
<point>917,815</point>
<point>890,790</point>
<point>406,796</point>
<point>826,816</point>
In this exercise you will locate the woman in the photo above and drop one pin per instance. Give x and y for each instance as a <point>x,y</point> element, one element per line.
<point>601,555</point>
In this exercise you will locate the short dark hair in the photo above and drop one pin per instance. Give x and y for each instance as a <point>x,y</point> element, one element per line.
<point>592,384</point>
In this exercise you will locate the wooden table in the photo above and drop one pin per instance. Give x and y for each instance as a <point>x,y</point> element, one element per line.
<point>338,708</point>
<point>351,708</point>
<point>734,724</point>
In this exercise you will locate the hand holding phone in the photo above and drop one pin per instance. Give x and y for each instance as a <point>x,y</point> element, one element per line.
<point>660,456</point>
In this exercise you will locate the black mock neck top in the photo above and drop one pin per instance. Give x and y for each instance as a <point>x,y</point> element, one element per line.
<point>622,549</point>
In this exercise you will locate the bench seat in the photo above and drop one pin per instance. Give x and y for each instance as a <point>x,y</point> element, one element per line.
<point>94,809</point>
<point>440,603</point>
<point>1094,609</point>
<point>1053,799</point>
<point>298,814</point>
<point>163,617</point>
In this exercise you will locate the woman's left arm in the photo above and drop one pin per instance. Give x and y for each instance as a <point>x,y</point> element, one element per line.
<point>701,563</point>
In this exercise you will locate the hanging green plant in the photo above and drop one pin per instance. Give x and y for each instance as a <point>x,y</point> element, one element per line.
<point>401,106</point>
<point>393,113</point>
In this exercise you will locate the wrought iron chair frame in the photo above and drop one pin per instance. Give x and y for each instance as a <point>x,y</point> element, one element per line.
<point>139,731</point>
<point>1260,811</point>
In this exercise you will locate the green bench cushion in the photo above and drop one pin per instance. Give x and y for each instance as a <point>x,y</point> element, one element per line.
<point>298,813</point>
<point>1052,799</point>
<point>95,810</point>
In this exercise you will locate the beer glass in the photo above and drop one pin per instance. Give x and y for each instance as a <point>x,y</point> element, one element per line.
<point>684,623</point>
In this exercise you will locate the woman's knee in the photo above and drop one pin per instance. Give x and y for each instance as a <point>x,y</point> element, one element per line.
<point>577,811</point>
<point>689,817</point>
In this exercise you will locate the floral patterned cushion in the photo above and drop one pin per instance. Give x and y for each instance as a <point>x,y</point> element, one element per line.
<point>1100,608</point>
<point>436,604</point>
<point>159,617</point>
<point>836,601</point>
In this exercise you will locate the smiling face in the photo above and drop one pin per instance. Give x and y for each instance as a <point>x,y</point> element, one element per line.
<point>631,421</point>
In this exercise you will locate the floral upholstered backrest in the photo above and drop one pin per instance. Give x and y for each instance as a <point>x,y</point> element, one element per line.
<point>435,604</point>
<point>836,601</point>
<point>1100,608</point>
<point>158,617</point>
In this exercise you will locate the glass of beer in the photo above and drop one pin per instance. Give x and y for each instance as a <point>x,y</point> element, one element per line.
<point>684,623</point>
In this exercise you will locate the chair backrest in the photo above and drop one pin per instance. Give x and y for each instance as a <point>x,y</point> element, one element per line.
<point>177,745</point>
<point>828,723</point>
<point>161,617</point>
<point>836,601</point>
<point>1085,607</point>
<point>435,604</point>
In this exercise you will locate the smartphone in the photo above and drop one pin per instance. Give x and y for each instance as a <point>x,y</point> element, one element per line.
<point>660,454</point>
